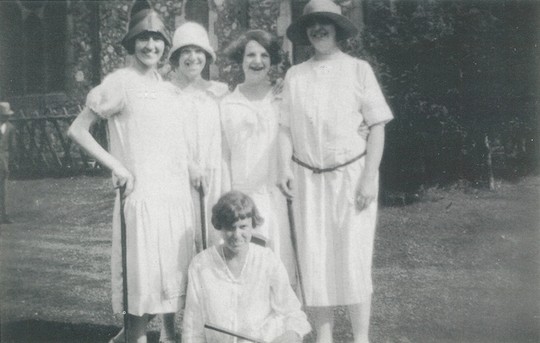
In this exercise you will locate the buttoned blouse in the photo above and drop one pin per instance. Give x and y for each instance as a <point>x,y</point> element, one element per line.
<point>250,131</point>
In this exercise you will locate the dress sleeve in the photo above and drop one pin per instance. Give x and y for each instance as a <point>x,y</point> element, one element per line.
<point>373,104</point>
<point>193,326</point>
<point>284,106</point>
<point>284,302</point>
<point>107,98</point>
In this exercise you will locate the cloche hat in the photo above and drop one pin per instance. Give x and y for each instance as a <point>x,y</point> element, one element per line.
<point>5,109</point>
<point>296,32</point>
<point>191,33</point>
<point>142,18</point>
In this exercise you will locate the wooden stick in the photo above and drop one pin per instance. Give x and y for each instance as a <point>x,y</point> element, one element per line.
<point>123,239</point>
<point>294,242</point>
<point>233,333</point>
<point>202,208</point>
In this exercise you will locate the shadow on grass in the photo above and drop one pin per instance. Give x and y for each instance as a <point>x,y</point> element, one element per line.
<point>47,331</point>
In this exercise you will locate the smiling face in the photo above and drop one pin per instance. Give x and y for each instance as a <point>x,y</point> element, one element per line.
<point>237,236</point>
<point>256,61</point>
<point>191,61</point>
<point>321,33</point>
<point>149,47</point>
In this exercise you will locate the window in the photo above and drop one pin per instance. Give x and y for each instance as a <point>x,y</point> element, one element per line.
<point>33,38</point>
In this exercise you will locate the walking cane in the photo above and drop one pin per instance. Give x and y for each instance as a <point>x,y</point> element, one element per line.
<point>233,333</point>
<point>203,216</point>
<point>295,247</point>
<point>123,239</point>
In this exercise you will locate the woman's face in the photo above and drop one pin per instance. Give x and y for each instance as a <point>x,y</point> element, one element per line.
<point>237,237</point>
<point>321,33</point>
<point>191,61</point>
<point>149,47</point>
<point>256,61</point>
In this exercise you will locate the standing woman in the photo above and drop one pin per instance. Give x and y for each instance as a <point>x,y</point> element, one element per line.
<point>189,55</point>
<point>334,174</point>
<point>149,158</point>
<point>250,123</point>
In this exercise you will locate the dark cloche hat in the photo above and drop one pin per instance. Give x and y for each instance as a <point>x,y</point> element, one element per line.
<point>142,18</point>
<point>296,32</point>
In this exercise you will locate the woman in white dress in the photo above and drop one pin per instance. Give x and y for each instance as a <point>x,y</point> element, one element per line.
<point>149,158</point>
<point>240,286</point>
<point>250,123</point>
<point>333,178</point>
<point>190,53</point>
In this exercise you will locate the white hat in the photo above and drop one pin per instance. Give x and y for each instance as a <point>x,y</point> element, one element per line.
<point>191,33</point>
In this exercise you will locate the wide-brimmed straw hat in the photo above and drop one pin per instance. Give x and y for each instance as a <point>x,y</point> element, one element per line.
<point>143,18</point>
<point>5,109</point>
<point>191,33</point>
<point>296,32</point>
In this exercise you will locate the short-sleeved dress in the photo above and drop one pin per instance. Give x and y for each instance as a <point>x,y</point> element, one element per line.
<point>145,127</point>
<point>250,131</point>
<point>203,131</point>
<point>259,303</point>
<point>324,104</point>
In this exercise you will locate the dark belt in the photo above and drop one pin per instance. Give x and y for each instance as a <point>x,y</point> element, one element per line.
<point>326,170</point>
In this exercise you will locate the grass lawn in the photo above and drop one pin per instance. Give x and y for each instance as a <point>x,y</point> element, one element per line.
<point>459,266</point>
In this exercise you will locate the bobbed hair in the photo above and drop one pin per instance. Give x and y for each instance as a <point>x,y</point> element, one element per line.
<point>235,51</point>
<point>130,44</point>
<point>232,207</point>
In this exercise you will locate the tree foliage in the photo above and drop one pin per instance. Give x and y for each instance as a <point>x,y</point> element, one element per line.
<point>455,72</point>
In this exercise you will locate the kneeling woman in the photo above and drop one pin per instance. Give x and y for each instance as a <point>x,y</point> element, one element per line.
<point>240,286</point>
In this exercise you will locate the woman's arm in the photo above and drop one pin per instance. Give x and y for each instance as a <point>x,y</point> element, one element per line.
<point>79,131</point>
<point>285,303</point>
<point>366,189</point>
<point>285,151</point>
<point>193,325</point>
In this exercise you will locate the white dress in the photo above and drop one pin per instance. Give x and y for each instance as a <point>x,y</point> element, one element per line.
<point>250,131</point>
<point>324,104</point>
<point>203,130</point>
<point>259,303</point>
<point>144,128</point>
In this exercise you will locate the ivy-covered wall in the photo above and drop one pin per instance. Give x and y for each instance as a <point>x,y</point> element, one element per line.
<point>81,71</point>
<point>233,17</point>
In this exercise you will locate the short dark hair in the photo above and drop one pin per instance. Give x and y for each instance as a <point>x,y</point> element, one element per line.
<point>235,51</point>
<point>232,207</point>
<point>130,44</point>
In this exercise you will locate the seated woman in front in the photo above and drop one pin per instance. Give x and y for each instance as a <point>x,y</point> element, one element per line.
<point>240,286</point>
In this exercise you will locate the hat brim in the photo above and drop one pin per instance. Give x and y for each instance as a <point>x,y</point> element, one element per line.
<point>209,51</point>
<point>296,32</point>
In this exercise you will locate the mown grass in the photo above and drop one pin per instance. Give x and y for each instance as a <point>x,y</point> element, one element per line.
<point>457,266</point>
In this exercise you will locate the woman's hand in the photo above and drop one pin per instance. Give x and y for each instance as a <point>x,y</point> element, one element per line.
<point>123,177</point>
<point>366,191</point>
<point>278,86</point>
<point>288,337</point>
<point>197,177</point>
<point>363,130</point>
<point>286,184</point>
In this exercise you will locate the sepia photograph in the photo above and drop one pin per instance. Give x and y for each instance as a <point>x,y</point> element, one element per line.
<point>270,171</point>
